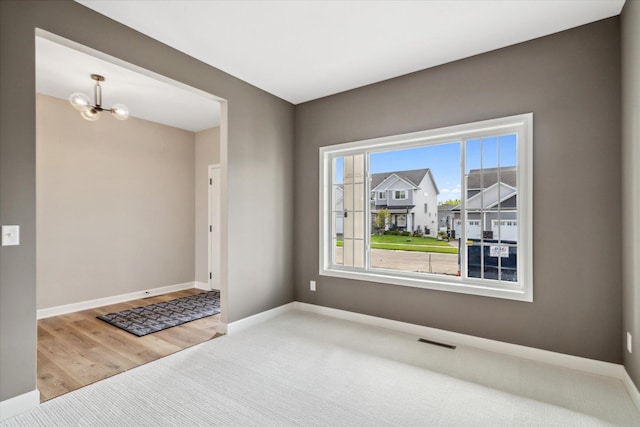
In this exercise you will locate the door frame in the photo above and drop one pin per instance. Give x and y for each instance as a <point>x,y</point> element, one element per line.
<point>213,217</point>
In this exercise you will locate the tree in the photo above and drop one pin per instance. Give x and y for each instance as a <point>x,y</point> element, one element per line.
<point>381,219</point>
<point>451,202</point>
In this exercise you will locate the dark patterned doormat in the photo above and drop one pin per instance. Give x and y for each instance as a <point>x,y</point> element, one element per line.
<point>152,318</point>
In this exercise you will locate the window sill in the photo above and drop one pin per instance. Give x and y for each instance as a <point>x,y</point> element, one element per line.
<point>432,281</point>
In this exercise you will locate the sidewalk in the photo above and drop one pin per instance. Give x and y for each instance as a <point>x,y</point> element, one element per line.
<point>423,262</point>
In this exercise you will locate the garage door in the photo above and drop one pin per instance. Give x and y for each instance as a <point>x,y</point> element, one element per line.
<point>473,229</point>
<point>508,229</point>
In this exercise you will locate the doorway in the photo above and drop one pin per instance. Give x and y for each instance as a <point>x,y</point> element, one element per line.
<point>115,212</point>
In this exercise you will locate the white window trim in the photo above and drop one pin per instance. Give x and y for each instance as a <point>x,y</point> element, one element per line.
<point>519,124</point>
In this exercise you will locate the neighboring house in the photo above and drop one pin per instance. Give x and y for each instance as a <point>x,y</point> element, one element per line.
<point>446,217</point>
<point>411,198</point>
<point>492,196</point>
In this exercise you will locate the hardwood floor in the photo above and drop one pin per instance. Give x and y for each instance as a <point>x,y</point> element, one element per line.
<point>76,349</point>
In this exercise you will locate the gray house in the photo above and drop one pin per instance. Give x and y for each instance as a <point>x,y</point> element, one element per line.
<point>411,198</point>
<point>492,197</point>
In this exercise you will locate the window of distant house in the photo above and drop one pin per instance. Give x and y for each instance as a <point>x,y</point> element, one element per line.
<point>480,171</point>
<point>400,195</point>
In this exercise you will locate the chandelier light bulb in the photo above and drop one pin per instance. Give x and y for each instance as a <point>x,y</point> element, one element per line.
<point>80,101</point>
<point>120,112</point>
<point>90,114</point>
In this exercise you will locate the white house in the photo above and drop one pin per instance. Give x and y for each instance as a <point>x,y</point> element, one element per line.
<point>411,198</point>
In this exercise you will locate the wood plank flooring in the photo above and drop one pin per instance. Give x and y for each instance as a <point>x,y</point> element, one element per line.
<point>76,349</point>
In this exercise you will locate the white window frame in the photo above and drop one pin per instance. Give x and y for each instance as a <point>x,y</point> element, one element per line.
<point>383,195</point>
<point>522,290</point>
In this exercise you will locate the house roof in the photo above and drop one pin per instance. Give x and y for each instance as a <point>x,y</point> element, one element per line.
<point>444,207</point>
<point>414,177</point>
<point>391,182</point>
<point>485,178</point>
<point>491,197</point>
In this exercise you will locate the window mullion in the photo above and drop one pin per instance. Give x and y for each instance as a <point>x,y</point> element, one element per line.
<point>367,215</point>
<point>499,181</point>
<point>462,246</point>
<point>482,212</point>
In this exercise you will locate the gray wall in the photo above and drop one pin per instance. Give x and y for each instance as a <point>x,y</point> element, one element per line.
<point>631,182</point>
<point>115,205</point>
<point>571,82</point>
<point>207,153</point>
<point>258,155</point>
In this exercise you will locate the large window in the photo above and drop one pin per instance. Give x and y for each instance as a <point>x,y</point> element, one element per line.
<point>479,177</point>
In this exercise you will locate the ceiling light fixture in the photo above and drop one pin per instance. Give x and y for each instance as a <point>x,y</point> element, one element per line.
<point>91,112</point>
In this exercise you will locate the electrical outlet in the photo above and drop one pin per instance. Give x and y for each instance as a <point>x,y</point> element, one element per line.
<point>312,285</point>
<point>629,342</point>
<point>10,235</point>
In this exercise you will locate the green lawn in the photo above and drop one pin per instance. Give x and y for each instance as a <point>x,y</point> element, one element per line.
<point>409,243</point>
<point>422,241</point>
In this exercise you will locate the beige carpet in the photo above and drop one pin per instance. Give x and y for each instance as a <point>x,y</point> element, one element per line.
<point>309,370</point>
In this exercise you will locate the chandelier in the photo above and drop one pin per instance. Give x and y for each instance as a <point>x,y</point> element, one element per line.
<point>91,112</point>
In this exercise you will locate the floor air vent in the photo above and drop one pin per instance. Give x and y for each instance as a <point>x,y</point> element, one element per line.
<point>452,347</point>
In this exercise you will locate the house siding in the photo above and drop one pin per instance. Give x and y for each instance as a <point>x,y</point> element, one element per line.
<point>428,221</point>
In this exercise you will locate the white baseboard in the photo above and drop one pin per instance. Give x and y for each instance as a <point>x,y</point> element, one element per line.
<point>202,285</point>
<point>256,319</point>
<point>222,328</point>
<point>631,388</point>
<point>16,405</point>
<point>100,302</point>
<point>530,353</point>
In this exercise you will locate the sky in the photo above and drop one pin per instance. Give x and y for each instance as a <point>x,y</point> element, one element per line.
<point>444,161</point>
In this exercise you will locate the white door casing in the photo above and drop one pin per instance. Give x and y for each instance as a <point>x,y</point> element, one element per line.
<point>214,227</point>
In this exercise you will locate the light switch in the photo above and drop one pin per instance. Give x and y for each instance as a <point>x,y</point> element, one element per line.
<point>10,235</point>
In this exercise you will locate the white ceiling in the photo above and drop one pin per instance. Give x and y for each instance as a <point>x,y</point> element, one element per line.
<point>303,50</point>
<point>297,50</point>
<point>62,70</point>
